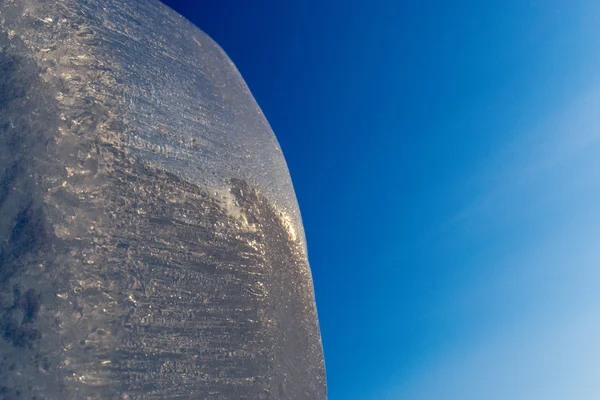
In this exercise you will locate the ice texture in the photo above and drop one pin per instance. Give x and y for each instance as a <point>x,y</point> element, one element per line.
<point>151,245</point>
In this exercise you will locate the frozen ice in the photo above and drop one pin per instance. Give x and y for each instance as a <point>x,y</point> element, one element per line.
<point>151,245</point>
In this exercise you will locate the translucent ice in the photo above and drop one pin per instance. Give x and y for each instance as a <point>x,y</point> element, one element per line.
<point>150,241</point>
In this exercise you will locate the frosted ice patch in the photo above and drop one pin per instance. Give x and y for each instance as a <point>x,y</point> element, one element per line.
<point>228,201</point>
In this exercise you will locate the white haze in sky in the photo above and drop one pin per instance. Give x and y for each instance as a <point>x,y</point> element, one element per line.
<point>535,310</point>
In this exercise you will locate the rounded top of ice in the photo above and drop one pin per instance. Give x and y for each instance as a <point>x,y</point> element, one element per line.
<point>182,104</point>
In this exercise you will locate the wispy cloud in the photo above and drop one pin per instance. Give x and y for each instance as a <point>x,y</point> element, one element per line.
<point>539,160</point>
<point>530,319</point>
<point>553,361</point>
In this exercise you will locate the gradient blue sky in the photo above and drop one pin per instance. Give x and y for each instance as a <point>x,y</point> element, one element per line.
<point>446,158</point>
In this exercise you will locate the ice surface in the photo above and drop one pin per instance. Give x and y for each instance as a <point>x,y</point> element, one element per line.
<point>151,245</point>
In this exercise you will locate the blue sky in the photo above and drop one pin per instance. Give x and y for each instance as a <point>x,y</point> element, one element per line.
<point>446,158</point>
